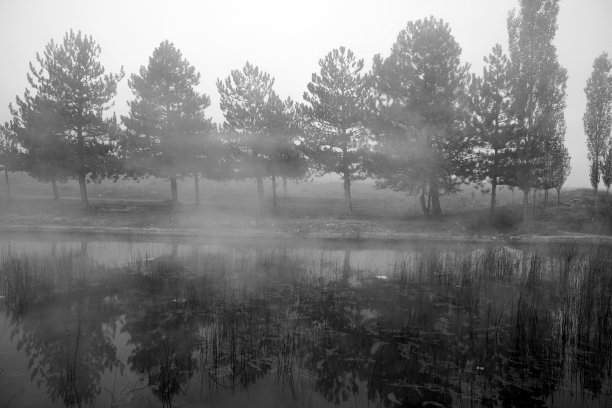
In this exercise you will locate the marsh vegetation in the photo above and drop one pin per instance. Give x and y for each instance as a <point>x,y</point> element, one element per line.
<point>181,325</point>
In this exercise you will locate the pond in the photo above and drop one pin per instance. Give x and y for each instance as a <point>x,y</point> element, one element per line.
<point>94,322</point>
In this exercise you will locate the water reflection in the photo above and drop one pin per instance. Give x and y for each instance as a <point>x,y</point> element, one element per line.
<point>60,320</point>
<point>493,326</point>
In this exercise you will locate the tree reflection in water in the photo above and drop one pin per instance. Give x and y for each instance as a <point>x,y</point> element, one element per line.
<point>489,327</point>
<point>60,320</point>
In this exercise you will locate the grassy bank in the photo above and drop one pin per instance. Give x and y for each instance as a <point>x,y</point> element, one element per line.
<point>315,206</point>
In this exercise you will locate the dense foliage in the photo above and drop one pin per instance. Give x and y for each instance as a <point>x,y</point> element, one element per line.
<point>418,122</point>
<point>167,134</point>
<point>598,120</point>
<point>59,120</point>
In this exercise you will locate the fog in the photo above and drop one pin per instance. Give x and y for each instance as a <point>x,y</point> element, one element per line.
<point>326,233</point>
<point>288,39</point>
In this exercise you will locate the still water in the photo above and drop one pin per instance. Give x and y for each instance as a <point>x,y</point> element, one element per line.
<point>276,324</point>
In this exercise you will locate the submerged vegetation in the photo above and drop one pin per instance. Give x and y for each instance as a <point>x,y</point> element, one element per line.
<point>433,326</point>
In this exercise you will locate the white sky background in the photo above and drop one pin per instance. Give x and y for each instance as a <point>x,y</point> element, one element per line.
<point>286,39</point>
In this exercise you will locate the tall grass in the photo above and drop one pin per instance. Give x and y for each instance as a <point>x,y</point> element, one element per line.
<point>439,325</point>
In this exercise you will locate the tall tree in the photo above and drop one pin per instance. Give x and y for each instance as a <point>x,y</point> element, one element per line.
<point>490,101</point>
<point>168,134</point>
<point>10,156</point>
<point>287,160</point>
<point>36,128</point>
<point>335,134</point>
<point>606,173</point>
<point>255,121</point>
<point>69,85</point>
<point>561,171</point>
<point>534,67</point>
<point>422,114</point>
<point>598,116</point>
<point>553,167</point>
<point>550,143</point>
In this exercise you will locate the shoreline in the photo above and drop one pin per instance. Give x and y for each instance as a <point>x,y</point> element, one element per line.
<point>224,234</point>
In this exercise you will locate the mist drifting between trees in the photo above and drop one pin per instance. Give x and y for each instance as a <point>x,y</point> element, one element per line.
<point>417,121</point>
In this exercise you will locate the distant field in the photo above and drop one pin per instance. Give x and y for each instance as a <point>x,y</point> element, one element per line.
<point>317,196</point>
<point>310,206</point>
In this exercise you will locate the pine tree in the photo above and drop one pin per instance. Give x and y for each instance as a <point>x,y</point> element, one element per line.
<point>256,122</point>
<point>61,125</point>
<point>168,134</point>
<point>36,128</point>
<point>335,134</point>
<point>598,117</point>
<point>10,156</point>
<point>287,160</point>
<point>421,114</point>
<point>490,101</point>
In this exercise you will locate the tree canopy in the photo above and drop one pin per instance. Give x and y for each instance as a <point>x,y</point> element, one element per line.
<point>257,123</point>
<point>421,114</point>
<point>168,134</point>
<point>598,117</point>
<point>60,122</point>
<point>538,86</point>
<point>336,136</point>
<point>492,122</point>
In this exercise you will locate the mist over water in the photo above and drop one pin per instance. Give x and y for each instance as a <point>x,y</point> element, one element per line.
<point>111,323</point>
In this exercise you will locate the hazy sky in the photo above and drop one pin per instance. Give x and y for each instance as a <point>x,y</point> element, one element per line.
<point>287,38</point>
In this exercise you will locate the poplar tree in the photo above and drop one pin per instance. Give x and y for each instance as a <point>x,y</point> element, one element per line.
<point>168,134</point>
<point>606,174</point>
<point>535,74</point>
<point>335,134</point>
<point>598,117</point>
<point>71,90</point>
<point>561,171</point>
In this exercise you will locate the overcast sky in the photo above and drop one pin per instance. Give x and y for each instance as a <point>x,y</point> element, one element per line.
<point>287,38</point>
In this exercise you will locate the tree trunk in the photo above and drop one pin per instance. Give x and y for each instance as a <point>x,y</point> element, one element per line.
<point>82,170</point>
<point>545,198</point>
<point>596,201</point>
<point>260,192</point>
<point>436,210</point>
<point>83,189</point>
<point>534,203</point>
<point>55,190</point>
<point>493,197</point>
<point>8,185</point>
<point>284,188</point>
<point>525,205</point>
<point>274,203</point>
<point>347,177</point>
<point>196,180</point>
<point>558,197</point>
<point>347,192</point>
<point>424,205</point>
<point>174,191</point>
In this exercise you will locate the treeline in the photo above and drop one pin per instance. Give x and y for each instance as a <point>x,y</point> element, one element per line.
<point>418,121</point>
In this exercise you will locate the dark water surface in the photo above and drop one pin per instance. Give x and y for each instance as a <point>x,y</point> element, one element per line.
<point>277,324</point>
